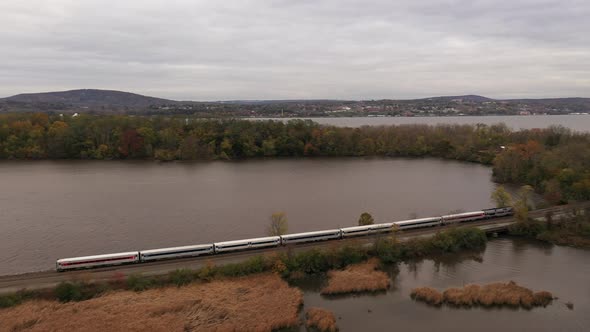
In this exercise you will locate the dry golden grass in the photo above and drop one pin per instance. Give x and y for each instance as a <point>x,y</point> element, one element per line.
<point>500,294</point>
<point>428,295</point>
<point>321,319</point>
<point>467,295</point>
<point>361,277</point>
<point>255,303</point>
<point>543,298</point>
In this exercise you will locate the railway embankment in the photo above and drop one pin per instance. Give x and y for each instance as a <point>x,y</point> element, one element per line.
<point>290,262</point>
<point>286,264</point>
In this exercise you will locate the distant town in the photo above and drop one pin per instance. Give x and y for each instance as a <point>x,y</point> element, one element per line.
<point>118,102</point>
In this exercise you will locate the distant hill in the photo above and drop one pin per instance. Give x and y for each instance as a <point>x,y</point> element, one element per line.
<point>465,98</point>
<point>89,98</point>
<point>553,101</point>
<point>118,102</point>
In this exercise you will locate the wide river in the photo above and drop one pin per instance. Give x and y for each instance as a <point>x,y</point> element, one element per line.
<point>561,270</point>
<point>50,210</point>
<point>579,123</point>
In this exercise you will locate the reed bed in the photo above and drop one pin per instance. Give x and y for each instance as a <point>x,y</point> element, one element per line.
<point>362,277</point>
<point>495,294</point>
<point>256,303</point>
<point>321,319</point>
<point>428,295</point>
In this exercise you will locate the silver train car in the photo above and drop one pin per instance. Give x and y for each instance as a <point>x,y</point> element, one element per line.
<point>273,241</point>
<point>463,217</point>
<point>330,234</point>
<point>366,230</point>
<point>261,242</point>
<point>176,252</point>
<point>499,212</point>
<point>97,260</point>
<point>419,223</point>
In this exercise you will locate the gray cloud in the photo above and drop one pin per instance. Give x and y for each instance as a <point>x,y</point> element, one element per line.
<point>212,50</point>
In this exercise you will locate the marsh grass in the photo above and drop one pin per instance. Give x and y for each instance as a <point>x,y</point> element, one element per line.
<point>321,319</point>
<point>362,277</point>
<point>427,295</point>
<point>495,294</point>
<point>255,303</point>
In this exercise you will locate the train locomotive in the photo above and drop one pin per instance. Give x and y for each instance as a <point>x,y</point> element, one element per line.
<point>273,241</point>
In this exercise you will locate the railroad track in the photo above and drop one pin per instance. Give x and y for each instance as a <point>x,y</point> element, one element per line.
<point>47,279</point>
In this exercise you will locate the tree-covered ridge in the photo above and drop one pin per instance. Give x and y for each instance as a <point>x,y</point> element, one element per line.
<point>555,161</point>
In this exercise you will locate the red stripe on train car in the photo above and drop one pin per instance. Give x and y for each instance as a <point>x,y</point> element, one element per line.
<point>99,260</point>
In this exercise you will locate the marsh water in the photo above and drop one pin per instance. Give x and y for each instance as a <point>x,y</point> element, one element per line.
<point>50,210</point>
<point>561,270</point>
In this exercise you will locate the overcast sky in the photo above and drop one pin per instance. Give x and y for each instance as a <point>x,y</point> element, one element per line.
<point>287,49</point>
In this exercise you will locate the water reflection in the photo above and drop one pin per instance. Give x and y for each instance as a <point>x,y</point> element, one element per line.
<point>561,270</point>
<point>50,210</point>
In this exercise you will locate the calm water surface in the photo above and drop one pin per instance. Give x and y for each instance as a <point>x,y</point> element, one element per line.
<point>563,271</point>
<point>575,122</point>
<point>50,210</point>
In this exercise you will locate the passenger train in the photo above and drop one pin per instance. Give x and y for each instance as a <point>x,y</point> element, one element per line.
<point>272,241</point>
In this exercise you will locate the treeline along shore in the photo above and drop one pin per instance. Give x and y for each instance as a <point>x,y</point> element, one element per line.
<point>555,161</point>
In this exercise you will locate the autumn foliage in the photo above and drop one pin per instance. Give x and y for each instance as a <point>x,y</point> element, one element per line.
<point>555,161</point>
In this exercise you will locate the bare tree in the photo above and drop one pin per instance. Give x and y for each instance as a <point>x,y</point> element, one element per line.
<point>278,224</point>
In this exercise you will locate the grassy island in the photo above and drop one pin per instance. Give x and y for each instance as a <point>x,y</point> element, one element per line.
<point>495,294</point>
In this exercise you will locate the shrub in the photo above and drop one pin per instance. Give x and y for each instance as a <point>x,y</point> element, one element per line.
<point>387,250</point>
<point>456,239</point>
<point>452,240</point>
<point>255,264</point>
<point>310,262</point>
<point>79,291</point>
<point>415,248</point>
<point>11,300</point>
<point>138,283</point>
<point>181,277</point>
<point>348,255</point>
<point>207,273</point>
<point>527,228</point>
<point>66,292</point>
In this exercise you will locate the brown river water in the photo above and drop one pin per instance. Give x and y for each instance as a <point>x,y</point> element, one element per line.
<point>561,270</point>
<point>51,210</point>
